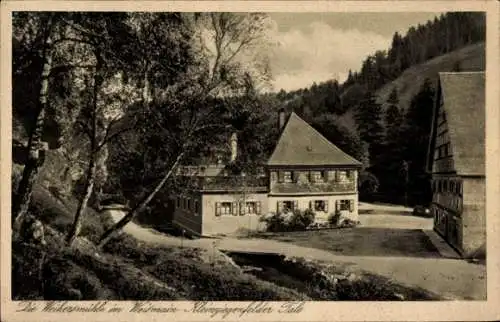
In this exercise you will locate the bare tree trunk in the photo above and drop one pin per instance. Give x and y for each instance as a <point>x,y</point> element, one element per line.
<point>89,188</point>
<point>36,149</point>
<point>92,167</point>
<point>140,206</point>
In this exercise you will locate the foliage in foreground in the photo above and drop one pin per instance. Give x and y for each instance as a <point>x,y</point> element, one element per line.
<point>299,220</point>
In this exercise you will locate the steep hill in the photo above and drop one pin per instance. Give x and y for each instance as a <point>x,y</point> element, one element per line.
<point>470,58</point>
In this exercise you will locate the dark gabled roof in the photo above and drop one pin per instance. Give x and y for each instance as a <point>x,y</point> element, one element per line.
<point>301,145</point>
<point>464,104</point>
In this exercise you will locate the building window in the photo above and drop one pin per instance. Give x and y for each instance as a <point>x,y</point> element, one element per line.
<point>178,205</point>
<point>316,176</point>
<point>189,204</point>
<point>340,175</point>
<point>196,207</point>
<point>285,176</point>
<point>344,205</point>
<point>287,206</point>
<point>459,188</point>
<point>251,207</point>
<point>224,208</point>
<point>184,203</point>
<point>320,205</point>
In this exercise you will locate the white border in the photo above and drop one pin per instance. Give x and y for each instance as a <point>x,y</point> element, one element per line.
<point>324,311</point>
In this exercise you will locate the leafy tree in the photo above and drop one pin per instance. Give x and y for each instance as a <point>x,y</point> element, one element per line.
<point>37,54</point>
<point>187,113</point>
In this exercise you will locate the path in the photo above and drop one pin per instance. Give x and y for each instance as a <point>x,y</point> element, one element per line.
<point>451,278</point>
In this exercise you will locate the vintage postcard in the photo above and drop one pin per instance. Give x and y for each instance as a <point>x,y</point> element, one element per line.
<point>253,160</point>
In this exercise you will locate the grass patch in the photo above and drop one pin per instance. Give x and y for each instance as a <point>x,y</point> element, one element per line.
<point>197,280</point>
<point>362,241</point>
<point>59,214</point>
<point>326,281</point>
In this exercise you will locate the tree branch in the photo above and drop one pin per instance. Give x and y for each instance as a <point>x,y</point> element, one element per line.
<point>81,29</point>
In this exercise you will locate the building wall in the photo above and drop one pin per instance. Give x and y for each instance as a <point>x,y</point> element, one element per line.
<point>304,202</point>
<point>447,207</point>
<point>230,223</point>
<point>474,214</point>
<point>443,151</point>
<point>332,180</point>
<point>187,215</point>
<point>459,211</point>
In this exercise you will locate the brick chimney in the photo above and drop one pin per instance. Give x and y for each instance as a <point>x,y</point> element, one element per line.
<point>234,146</point>
<point>281,118</point>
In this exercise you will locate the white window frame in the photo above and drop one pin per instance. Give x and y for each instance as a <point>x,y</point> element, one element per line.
<point>291,202</point>
<point>224,208</point>
<point>251,207</point>
<point>324,204</point>
<point>317,176</point>
<point>287,177</point>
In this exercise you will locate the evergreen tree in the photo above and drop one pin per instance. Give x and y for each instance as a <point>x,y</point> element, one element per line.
<point>345,138</point>
<point>394,144</point>
<point>393,117</point>
<point>369,120</point>
<point>416,132</point>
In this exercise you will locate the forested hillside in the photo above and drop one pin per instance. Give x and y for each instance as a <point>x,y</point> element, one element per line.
<point>381,113</point>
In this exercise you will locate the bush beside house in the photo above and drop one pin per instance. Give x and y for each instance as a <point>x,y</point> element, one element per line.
<point>302,220</point>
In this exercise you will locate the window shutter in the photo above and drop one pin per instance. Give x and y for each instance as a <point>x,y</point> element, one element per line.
<point>235,208</point>
<point>217,209</point>
<point>351,205</point>
<point>311,205</point>
<point>326,205</point>
<point>259,209</point>
<point>311,176</point>
<point>242,208</point>
<point>337,176</point>
<point>325,175</point>
<point>278,207</point>
<point>281,176</point>
<point>295,204</point>
<point>337,205</point>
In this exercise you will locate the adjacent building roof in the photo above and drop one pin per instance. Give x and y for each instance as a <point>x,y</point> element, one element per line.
<point>463,97</point>
<point>301,145</point>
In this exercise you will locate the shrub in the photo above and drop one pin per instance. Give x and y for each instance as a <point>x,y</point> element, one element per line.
<point>275,222</point>
<point>301,219</point>
<point>368,184</point>
<point>297,220</point>
<point>334,219</point>
<point>348,223</point>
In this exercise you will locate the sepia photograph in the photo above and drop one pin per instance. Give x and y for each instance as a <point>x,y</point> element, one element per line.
<point>246,156</point>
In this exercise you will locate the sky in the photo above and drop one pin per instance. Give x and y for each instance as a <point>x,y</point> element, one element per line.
<point>315,47</point>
